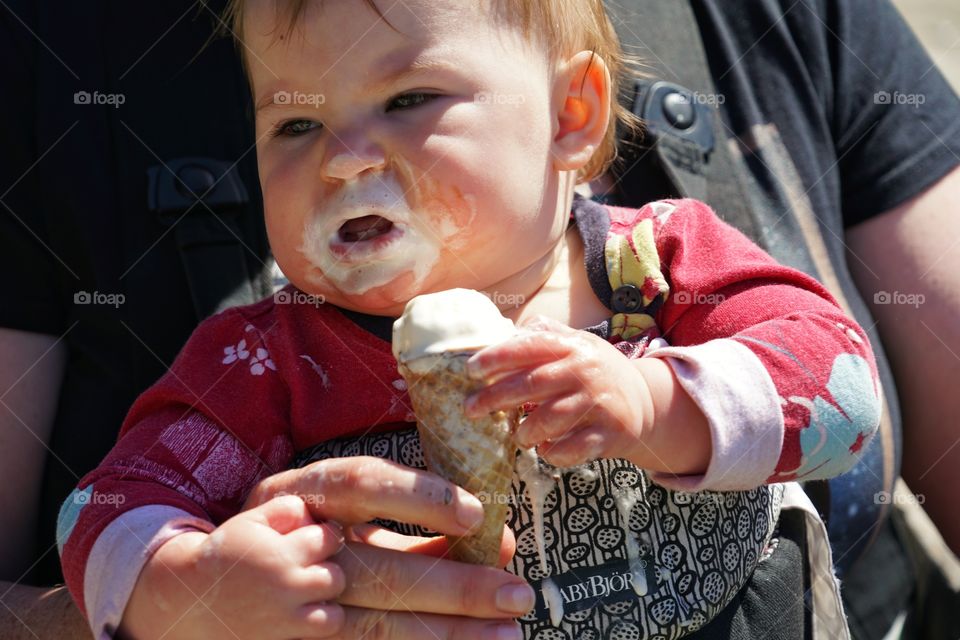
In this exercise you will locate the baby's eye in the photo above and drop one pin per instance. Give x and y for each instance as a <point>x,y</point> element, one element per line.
<point>293,128</point>
<point>409,100</point>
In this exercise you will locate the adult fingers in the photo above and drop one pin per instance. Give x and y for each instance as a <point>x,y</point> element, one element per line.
<point>398,581</point>
<point>362,488</point>
<point>436,546</point>
<point>396,625</point>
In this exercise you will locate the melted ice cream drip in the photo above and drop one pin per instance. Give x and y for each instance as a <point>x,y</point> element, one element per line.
<point>625,501</point>
<point>553,599</point>
<point>539,486</point>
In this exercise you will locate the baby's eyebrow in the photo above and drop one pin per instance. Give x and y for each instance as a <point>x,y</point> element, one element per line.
<point>397,73</point>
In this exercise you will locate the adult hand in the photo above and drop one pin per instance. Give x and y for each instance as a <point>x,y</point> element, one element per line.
<point>395,586</point>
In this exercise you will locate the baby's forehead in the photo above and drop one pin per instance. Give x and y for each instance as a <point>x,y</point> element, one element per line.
<point>347,27</point>
<point>328,37</point>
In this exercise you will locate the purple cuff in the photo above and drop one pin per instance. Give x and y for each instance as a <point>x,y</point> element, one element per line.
<point>737,395</point>
<point>119,554</point>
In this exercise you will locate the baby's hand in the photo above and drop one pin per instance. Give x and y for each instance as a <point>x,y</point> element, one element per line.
<point>592,402</point>
<point>261,574</point>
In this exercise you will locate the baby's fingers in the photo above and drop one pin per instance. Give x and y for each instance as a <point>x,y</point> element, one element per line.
<point>527,349</point>
<point>314,543</point>
<point>320,582</point>
<point>543,383</point>
<point>553,420</point>
<point>578,446</point>
<point>318,620</point>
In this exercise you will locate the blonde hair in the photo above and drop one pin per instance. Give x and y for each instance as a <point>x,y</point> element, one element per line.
<point>566,26</point>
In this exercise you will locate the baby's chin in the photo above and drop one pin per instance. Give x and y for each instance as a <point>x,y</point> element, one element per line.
<point>384,300</point>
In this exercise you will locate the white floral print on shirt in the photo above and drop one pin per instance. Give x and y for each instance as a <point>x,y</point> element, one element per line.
<point>259,363</point>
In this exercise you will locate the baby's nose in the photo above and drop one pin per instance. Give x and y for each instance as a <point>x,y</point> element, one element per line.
<point>346,162</point>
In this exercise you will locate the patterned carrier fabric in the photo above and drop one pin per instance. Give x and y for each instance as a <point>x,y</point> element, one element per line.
<point>696,550</point>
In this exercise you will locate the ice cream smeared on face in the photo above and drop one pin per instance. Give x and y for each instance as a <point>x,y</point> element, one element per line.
<point>448,321</point>
<point>368,235</point>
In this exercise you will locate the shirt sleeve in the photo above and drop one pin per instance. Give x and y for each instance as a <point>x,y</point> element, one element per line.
<point>895,119</point>
<point>787,381</point>
<point>190,450</point>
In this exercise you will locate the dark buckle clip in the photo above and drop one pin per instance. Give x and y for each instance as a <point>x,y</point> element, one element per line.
<point>672,112</point>
<point>187,184</point>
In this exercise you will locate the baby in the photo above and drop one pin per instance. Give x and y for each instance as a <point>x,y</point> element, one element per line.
<point>424,145</point>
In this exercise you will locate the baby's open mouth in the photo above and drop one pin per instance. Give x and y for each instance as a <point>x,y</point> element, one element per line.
<point>364,228</point>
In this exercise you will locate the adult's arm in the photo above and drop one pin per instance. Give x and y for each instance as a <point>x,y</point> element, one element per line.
<point>906,263</point>
<point>40,613</point>
<point>30,376</point>
<point>31,369</point>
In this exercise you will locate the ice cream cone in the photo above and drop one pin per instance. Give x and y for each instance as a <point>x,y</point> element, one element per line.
<point>432,341</point>
<point>476,454</point>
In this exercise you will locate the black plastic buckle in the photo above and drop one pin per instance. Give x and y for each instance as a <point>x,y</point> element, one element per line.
<point>177,186</point>
<point>671,111</point>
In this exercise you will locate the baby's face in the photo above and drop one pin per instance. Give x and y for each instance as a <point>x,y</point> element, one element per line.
<point>401,158</point>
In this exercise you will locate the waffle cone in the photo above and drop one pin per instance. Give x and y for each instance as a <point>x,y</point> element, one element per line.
<point>476,454</point>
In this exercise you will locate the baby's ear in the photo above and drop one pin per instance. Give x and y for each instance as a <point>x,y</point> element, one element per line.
<point>581,94</point>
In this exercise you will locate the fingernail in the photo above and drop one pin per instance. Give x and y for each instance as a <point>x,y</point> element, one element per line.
<point>469,510</point>
<point>510,631</point>
<point>474,370</point>
<point>515,598</point>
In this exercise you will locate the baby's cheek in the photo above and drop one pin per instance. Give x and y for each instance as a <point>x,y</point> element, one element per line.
<point>450,213</point>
